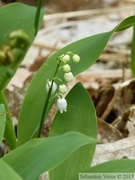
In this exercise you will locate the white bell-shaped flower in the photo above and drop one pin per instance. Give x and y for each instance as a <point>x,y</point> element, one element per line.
<point>68,76</point>
<point>66,68</point>
<point>48,86</point>
<point>66,58</point>
<point>76,58</point>
<point>62,104</point>
<point>62,88</point>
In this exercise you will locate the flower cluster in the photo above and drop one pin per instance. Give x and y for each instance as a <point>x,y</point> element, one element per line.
<point>65,58</point>
<point>68,76</point>
<point>11,52</point>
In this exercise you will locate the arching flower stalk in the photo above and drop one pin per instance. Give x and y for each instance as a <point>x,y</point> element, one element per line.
<point>51,85</point>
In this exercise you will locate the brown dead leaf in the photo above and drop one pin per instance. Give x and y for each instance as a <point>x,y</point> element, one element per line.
<point>116,150</point>
<point>107,132</point>
<point>19,78</point>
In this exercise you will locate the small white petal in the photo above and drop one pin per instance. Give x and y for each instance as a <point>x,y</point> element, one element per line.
<point>62,88</point>
<point>62,104</point>
<point>76,58</point>
<point>68,76</point>
<point>48,86</point>
<point>66,58</point>
<point>66,68</point>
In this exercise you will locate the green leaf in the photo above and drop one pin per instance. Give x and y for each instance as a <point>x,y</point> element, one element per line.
<point>19,16</point>
<point>6,172</point>
<point>2,122</point>
<point>40,155</point>
<point>125,24</point>
<point>89,49</point>
<point>114,166</point>
<point>9,133</point>
<point>81,117</point>
<point>122,165</point>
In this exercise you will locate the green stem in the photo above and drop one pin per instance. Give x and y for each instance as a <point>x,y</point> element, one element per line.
<point>39,5</point>
<point>9,133</point>
<point>47,101</point>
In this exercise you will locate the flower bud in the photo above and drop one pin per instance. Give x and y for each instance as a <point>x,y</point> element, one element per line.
<point>20,34</point>
<point>68,76</point>
<point>66,58</point>
<point>10,56</point>
<point>66,68</point>
<point>62,104</point>
<point>48,86</point>
<point>62,88</point>
<point>2,56</point>
<point>76,58</point>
